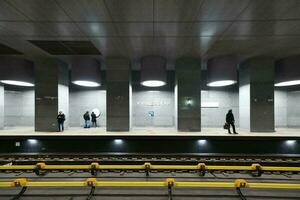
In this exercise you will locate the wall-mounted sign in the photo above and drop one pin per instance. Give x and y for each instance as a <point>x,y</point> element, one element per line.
<point>154,103</point>
<point>210,105</point>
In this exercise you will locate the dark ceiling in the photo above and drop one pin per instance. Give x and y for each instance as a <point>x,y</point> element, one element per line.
<point>170,28</point>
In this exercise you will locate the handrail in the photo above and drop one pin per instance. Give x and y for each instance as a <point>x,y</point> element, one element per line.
<point>238,183</point>
<point>149,166</point>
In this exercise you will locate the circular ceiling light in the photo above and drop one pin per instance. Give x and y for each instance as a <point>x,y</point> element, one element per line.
<point>86,83</point>
<point>287,83</point>
<point>221,83</point>
<point>287,72</point>
<point>222,71</point>
<point>17,83</point>
<point>153,83</point>
<point>153,71</point>
<point>16,71</point>
<point>86,72</point>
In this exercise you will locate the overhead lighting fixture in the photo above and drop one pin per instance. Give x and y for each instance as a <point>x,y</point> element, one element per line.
<point>86,83</point>
<point>86,72</point>
<point>153,83</point>
<point>16,71</point>
<point>287,72</point>
<point>153,71</point>
<point>287,83</point>
<point>17,83</point>
<point>222,71</point>
<point>221,83</point>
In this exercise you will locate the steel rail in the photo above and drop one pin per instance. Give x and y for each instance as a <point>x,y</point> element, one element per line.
<point>149,166</point>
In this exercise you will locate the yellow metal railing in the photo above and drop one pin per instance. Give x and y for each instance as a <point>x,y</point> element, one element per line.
<point>238,183</point>
<point>149,166</point>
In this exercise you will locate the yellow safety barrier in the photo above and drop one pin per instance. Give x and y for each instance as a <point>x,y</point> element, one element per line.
<point>149,166</point>
<point>239,183</point>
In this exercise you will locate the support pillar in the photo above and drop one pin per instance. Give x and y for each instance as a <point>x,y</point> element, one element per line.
<point>256,94</point>
<point>188,86</point>
<point>1,106</point>
<point>118,75</point>
<point>51,93</point>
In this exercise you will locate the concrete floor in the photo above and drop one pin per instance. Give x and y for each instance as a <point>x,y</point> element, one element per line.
<point>17,131</point>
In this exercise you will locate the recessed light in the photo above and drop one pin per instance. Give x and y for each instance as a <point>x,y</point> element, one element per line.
<point>17,83</point>
<point>153,83</point>
<point>87,83</point>
<point>288,83</point>
<point>221,83</point>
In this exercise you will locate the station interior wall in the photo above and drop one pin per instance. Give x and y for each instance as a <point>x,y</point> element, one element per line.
<point>19,107</point>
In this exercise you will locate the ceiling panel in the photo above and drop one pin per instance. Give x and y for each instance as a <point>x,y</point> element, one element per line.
<point>98,29</point>
<point>24,29</point>
<point>134,29</point>
<point>261,28</point>
<point>130,10</point>
<point>63,29</point>
<point>7,12</point>
<point>176,10</point>
<point>59,47</point>
<point>190,29</point>
<point>222,9</point>
<point>5,50</point>
<point>271,9</point>
<point>137,47</point>
<point>40,10</point>
<point>85,10</point>
<point>173,29</point>
<point>81,47</point>
<point>198,46</point>
<point>110,46</point>
<point>52,47</point>
<point>23,46</point>
<point>276,46</point>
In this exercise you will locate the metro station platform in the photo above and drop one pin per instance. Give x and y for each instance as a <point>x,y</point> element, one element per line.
<point>207,132</point>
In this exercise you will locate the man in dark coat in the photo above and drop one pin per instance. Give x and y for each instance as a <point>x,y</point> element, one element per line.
<point>94,119</point>
<point>87,119</point>
<point>230,121</point>
<point>60,121</point>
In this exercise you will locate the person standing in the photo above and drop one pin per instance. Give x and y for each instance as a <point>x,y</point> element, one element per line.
<point>230,121</point>
<point>94,119</point>
<point>87,119</point>
<point>60,121</point>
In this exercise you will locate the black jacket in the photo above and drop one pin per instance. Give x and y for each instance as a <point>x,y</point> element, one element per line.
<point>61,118</point>
<point>229,118</point>
<point>86,117</point>
<point>93,115</point>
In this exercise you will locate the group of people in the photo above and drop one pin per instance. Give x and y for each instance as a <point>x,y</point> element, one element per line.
<point>87,119</point>
<point>61,118</point>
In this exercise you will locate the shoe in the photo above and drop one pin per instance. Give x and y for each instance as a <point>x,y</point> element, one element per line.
<point>235,133</point>
<point>229,133</point>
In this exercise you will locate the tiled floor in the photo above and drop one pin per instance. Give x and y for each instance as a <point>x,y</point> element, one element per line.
<point>280,132</point>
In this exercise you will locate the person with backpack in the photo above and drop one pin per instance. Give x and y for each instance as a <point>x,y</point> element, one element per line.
<point>87,119</point>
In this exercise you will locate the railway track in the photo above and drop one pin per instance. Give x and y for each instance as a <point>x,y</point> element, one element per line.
<point>152,175</point>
